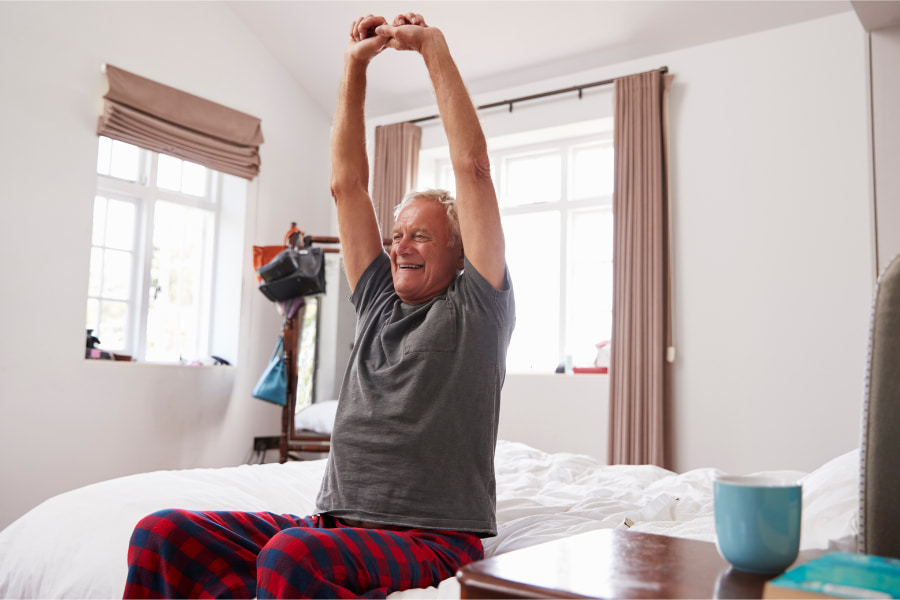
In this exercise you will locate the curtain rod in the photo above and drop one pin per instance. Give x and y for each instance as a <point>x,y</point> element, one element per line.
<point>574,88</point>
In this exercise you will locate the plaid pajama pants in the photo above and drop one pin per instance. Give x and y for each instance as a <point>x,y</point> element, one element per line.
<point>187,554</point>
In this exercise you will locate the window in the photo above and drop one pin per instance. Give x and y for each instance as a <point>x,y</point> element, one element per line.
<point>556,202</point>
<point>153,273</point>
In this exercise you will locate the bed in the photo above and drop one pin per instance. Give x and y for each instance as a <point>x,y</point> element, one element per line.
<point>74,544</point>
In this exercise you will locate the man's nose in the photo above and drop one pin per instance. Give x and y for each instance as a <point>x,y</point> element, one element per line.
<point>401,244</point>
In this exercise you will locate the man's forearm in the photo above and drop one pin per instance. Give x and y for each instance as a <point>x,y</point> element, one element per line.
<point>479,214</point>
<point>458,114</point>
<point>360,238</point>
<point>349,162</point>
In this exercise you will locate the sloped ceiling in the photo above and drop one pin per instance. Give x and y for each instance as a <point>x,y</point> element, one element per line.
<point>499,44</point>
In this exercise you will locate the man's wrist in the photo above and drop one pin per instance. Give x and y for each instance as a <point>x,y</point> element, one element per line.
<point>434,43</point>
<point>353,58</point>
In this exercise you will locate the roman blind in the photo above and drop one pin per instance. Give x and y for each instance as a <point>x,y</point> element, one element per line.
<point>157,117</point>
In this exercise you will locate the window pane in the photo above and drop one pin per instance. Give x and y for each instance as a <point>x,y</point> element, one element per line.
<point>445,178</point>
<point>168,172</point>
<point>178,308</point>
<point>120,225</point>
<point>194,178</point>
<point>306,355</point>
<point>99,232</point>
<point>113,324</point>
<point>92,317</point>
<point>591,233</point>
<point>95,278</point>
<point>125,162</point>
<point>104,154</point>
<point>116,274</point>
<point>531,179</point>
<point>589,284</point>
<point>535,342</point>
<point>592,171</point>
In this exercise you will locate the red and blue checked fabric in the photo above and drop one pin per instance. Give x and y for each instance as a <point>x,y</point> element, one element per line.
<point>188,554</point>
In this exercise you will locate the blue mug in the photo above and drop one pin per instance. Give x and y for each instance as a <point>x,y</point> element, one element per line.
<point>757,522</point>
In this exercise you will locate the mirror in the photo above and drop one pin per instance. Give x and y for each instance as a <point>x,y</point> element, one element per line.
<point>307,347</point>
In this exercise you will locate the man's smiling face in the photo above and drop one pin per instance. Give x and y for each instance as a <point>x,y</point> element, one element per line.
<point>423,264</point>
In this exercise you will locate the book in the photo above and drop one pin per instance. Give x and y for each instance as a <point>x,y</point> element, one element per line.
<point>839,575</point>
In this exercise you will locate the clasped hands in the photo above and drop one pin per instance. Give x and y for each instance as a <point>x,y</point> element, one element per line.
<point>370,35</point>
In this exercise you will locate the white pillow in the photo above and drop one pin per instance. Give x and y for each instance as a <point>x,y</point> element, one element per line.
<point>318,417</point>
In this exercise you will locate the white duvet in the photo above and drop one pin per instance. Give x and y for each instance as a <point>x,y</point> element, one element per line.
<point>74,545</point>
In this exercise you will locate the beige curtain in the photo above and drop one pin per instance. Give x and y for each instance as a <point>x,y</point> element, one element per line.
<point>396,169</point>
<point>640,372</point>
<point>157,117</point>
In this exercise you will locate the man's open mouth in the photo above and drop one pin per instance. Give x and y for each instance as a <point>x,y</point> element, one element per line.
<point>410,266</point>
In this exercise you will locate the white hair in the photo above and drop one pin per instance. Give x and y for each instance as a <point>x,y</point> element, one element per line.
<point>449,204</point>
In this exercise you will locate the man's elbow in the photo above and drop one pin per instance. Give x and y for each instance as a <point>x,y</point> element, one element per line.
<point>342,187</point>
<point>475,166</point>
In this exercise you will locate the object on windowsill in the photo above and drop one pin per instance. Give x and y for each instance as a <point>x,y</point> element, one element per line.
<point>602,360</point>
<point>98,353</point>
<point>839,575</point>
<point>208,361</point>
<point>92,351</point>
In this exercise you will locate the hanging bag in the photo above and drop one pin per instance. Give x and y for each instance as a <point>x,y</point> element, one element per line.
<point>272,386</point>
<point>305,276</point>
<point>262,255</point>
<point>294,272</point>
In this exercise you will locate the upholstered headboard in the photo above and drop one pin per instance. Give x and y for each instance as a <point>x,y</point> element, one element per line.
<point>880,445</point>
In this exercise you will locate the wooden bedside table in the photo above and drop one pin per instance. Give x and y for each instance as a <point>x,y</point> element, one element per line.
<point>609,563</point>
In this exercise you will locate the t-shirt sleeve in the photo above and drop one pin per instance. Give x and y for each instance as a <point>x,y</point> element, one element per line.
<point>477,290</point>
<point>374,281</point>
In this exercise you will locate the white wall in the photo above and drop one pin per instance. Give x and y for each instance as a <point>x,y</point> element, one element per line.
<point>64,421</point>
<point>773,248</point>
<point>557,413</point>
<point>886,139</point>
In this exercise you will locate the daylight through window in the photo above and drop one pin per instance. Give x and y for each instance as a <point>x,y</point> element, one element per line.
<point>556,204</point>
<point>152,268</point>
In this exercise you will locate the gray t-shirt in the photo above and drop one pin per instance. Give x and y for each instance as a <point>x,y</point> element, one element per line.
<point>416,425</point>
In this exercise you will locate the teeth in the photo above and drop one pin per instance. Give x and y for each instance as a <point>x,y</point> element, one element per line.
<point>410,266</point>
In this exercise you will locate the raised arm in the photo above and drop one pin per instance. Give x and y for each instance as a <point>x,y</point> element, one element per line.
<point>360,237</point>
<point>479,214</point>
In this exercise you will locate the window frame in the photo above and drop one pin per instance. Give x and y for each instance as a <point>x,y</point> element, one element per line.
<point>144,192</point>
<point>565,143</point>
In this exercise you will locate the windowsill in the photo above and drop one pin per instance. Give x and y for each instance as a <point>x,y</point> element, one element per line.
<point>581,375</point>
<point>157,364</point>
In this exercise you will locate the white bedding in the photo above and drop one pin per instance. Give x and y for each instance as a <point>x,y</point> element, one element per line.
<point>74,545</point>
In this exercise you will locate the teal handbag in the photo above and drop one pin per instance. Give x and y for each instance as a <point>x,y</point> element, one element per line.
<point>272,386</point>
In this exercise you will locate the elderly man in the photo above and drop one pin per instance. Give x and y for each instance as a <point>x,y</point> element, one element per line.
<point>409,488</point>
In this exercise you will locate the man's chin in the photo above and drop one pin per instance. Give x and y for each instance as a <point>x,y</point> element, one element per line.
<point>412,295</point>
<point>408,296</point>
